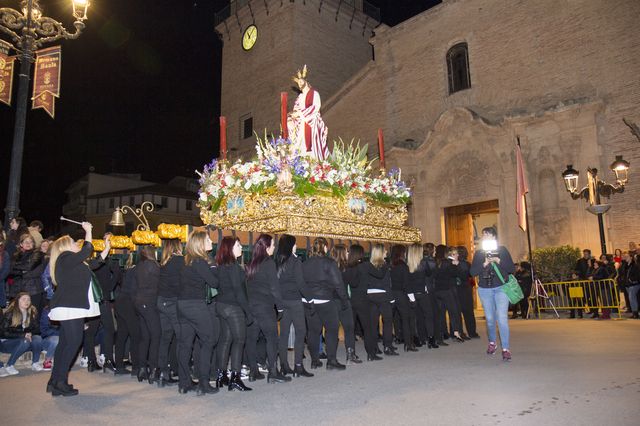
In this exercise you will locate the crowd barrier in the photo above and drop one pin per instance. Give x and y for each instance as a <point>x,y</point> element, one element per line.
<point>583,294</point>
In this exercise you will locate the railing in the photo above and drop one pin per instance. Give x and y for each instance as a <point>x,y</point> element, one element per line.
<point>235,5</point>
<point>579,295</point>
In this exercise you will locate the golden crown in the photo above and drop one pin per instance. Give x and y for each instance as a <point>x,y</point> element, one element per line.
<point>300,74</point>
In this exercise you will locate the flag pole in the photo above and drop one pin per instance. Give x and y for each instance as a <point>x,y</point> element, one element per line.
<point>526,216</point>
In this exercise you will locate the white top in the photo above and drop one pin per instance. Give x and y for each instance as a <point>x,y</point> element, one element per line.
<point>320,301</point>
<point>375,290</point>
<point>64,313</point>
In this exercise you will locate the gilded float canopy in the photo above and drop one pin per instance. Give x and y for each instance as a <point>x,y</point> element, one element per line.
<point>283,191</point>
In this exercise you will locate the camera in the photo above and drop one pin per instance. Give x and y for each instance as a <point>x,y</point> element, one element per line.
<point>490,248</point>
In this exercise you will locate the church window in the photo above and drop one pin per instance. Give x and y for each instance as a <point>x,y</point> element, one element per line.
<point>458,68</point>
<point>247,127</point>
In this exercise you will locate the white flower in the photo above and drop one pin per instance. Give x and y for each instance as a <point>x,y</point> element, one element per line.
<point>203,196</point>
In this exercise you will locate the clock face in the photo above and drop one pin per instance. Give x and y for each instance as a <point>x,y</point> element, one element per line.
<point>249,37</point>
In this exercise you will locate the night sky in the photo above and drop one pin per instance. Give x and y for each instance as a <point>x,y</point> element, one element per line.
<point>140,93</point>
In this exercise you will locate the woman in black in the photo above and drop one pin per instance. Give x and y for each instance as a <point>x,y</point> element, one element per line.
<point>446,273</point>
<point>128,324</point>
<point>359,301</point>
<point>292,288</point>
<point>465,293</point>
<point>195,319</point>
<point>399,281</point>
<point>168,289</point>
<point>264,300</point>
<point>147,274</point>
<point>233,310</point>
<point>418,291</point>
<point>324,280</point>
<point>72,302</point>
<point>26,269</point>
<point>375,276</point>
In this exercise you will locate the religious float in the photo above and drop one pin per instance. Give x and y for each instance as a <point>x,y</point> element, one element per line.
<point>294,185</point>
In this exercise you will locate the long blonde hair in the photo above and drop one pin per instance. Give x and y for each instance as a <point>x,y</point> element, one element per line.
<point>170,248</point>
<point>196,247</point>
<point>377,255</point>
<point>414,257</point>
<point>59,246</point>
<point>16,315</point>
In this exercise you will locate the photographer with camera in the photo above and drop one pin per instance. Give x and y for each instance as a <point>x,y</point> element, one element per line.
<point>494,301</point>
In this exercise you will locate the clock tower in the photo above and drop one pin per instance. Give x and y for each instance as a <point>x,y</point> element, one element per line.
<point>265,42</point>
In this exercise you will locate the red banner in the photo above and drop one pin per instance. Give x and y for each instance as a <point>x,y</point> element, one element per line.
<point>46,79</point>
<point>6,77</point>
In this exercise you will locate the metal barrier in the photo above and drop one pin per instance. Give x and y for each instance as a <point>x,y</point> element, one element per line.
<point>585,294</point>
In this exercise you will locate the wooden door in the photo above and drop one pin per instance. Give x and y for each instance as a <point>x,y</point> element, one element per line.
<point>459,227</point>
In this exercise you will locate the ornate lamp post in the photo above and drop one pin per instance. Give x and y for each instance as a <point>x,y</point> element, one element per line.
<point>596,188</point>
<point>29,30</point>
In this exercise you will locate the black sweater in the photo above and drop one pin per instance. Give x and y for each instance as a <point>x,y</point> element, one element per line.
<point>399,277</point>
<point>292,285</point>
<point>26,270</point>
<point>232,286</point>
<point>129,285</point>
<point>350,278</point>
<point>374,278</point>
<point>487,277</point>
<point>170,272</point>
<point>194,278</point>
<point>108,273</point>
<point>147,275</point>
<point>263,287</point>
<point>7,331</point>
<point>323,279</point>
<point>73,277</point>
<point>445,275</point>
<point>417,280</point>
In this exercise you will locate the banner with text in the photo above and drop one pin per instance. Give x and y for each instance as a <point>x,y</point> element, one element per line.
<point>6,73</point>
<point>46,79</point>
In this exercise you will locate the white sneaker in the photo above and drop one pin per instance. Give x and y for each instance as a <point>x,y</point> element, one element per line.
<point>3,372</point>
<point>101,360</point>
<point>36,366</point>
<point>84,362</point>
<point>11,370</point>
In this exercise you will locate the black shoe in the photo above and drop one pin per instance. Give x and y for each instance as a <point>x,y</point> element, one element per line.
<point>143,374</point>
<point>475,336</point>
<point>378,351</point>
<point>277,377</point>
<point>205,389</point>
<point>374,357</point>
<point>50,384</point>
<point>235,383</point>
<point>417,342</point>
<point>285,369</point>
<point>431,343</point>
<point>335,365</point>
<point>255,375</point>
<point>166,379</point>
<point>222,379</point>
<point>191,386</point>
<point>109,366</point>
<point>465,337</point>
<point>63,389</point>
<point>322,355</point>
<point>299,371</point>
<point>316,363</point>
<point>458,339</point>
<point>634,315</point>
<point>154,376</point>
<point>442,343</point>
<point>445,336</point>
<point>410,348</point>
<point>352,358</point>
<point>121,371</point>
<point>93,366</point>
<point>390,351</point>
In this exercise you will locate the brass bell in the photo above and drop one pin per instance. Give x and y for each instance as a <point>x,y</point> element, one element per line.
<point>117,219</point>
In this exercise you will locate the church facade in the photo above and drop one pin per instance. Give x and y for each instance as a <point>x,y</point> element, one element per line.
<point>454,88</point>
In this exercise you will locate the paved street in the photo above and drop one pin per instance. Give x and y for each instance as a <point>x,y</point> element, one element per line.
<point>564,372</point>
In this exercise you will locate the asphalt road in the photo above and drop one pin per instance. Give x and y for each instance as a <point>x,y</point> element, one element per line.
<point>564,372</point>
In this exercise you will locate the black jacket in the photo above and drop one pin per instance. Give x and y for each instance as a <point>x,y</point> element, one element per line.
<point>26,269</point>
<point>399,277</point>
<point>170,272</point>
<point>263,288</point>
<point>73,278</point>
<point>487,277</point>
<point>232,288</point>
<point>108,273</point>
<point>323,279</point>
<point>375,278</point>
<point>291,279</point>
<point>350,278</point>
<point>147,275</point>
<point>194,279</point>
<point>446,275</point>
<point>128,286</point>
<point>7,331</point>
<point>417,280</point>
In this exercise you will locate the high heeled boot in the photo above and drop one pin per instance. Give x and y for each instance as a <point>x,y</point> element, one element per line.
<point>431,343</point>
<point>222,379</point>
<point>154,376</point>
<point>285,369</point>
<point>275,376</point>
<point>299,371</point>
<point>143,374</point>
<point>93,366</point>
<point>255,374</point>
<point>352,358</point>
<point>166,379</point>
<point>235,383</point>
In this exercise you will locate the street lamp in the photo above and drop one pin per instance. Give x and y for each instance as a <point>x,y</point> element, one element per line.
<point>596,188</point>
<point>29,30</point>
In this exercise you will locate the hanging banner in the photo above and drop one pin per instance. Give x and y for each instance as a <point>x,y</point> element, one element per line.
<point>6,73</point>
<point>46,79</point>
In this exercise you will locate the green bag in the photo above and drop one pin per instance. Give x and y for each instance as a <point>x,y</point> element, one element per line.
<point>511,287</point>
<point>210,293</point>
<point>96,289</point>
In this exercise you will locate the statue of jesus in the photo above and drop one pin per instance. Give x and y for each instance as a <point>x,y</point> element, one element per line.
<point>306,128</point>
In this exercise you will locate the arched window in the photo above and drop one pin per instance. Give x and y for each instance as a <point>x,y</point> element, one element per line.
<point>458,68</point>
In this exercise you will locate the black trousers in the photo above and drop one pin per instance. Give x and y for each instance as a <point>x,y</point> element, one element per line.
<point>169,327</point>
<point>293,314</point>
<point>264,320</point>
<point>233,334</point>
<point>465,299</point>
<point>380,305</point>
<point>425,315</point>
<point>361,307</point>
<point>447,302</point>
<point>346,319</point>
<point>196,321</point>
<point>403,311</point>
<point>106,319</point>
<point>70,340</point>
<point>150,331</point>
<point>327,317</point>
<point>128,328</point>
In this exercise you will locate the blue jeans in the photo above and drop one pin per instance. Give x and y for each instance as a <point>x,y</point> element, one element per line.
<point>496,308</point>
<point>18,346</point>
<point>633,296</point>
<point>49,345</point>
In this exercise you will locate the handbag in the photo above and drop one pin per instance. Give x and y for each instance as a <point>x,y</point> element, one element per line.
<point>96,290</point>
<point>510,287</point>
<point>210,293</point>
